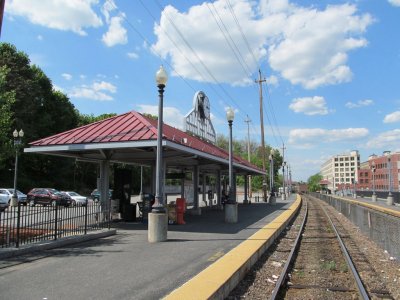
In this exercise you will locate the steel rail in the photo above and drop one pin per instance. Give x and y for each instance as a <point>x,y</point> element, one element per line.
<point>284,273</point>
<point>360,286</point>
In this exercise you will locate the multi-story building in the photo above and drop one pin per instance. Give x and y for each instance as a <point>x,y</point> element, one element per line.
<point>388,163</point>
<point>341,170</point>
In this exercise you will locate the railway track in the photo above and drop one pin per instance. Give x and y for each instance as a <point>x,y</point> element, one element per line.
<point>320,260</point>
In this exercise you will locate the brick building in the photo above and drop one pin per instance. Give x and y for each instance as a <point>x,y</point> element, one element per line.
<point>388,162</point>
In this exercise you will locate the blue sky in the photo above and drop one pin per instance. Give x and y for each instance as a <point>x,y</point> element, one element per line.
<point>332,67</point>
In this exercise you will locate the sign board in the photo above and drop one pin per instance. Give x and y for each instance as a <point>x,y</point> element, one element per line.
<point>198,120</point>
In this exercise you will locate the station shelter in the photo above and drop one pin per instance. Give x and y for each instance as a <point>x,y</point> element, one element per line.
<point>131,138</point>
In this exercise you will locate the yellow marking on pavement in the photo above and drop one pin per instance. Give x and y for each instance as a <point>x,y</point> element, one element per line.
<point>212,282</point>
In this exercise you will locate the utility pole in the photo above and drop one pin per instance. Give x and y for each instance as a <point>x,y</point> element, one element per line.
<point>248,151</point>
<point>2,2</point>
<point>283,172</point>
<point>264,184</point>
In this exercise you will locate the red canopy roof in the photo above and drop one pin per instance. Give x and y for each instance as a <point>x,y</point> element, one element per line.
<point>132,126</point>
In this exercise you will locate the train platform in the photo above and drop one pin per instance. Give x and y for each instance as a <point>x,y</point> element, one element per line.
<point>380,204</point>
<point>201,259</point>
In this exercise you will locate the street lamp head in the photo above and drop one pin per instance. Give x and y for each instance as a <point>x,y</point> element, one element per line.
<point>18,134</point>
<point>161,76</point>
<point>230,114</point>
<point>272,152</point>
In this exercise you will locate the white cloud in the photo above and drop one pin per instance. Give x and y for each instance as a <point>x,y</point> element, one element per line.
<point>272,80</point>
<point>40,37</point>
<point>314,45</point>
<point>392,118</point>
<point>66,76</point>
<point>97,91</point>
<point>116,33</point>
<point>104,86</point>
<point>108,7</point>
<point>314,136</point>
<point>394,2</point>
<point>306,46</point>
<point>171,115</point>
<point>360,103</point>
<point>67,15</point>
<point>309,106</point>
<point>389,139</point>
<point>133,55</point>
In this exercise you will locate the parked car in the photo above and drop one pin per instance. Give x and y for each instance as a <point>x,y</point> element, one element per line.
<point>77,200</point>
<point>3,200</point>
<point>95,195</point>
<point>22,198</point>
<point>48,196</point>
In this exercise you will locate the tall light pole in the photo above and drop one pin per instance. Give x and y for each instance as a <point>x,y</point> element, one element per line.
<point>389,200</point>
<point>271,176</point>
<point>373,169</point>
<point>283,180</point>
<point>231,215</point>
<point>18,135</point>
<point>342,179</point>
<point>158,219</point>
<point>161,79</point>
<point>230,115</point>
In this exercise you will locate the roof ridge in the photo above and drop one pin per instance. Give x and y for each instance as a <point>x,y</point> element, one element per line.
<point>145,120</point>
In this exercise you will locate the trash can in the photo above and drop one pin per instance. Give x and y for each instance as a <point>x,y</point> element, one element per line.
<point>129,212</point>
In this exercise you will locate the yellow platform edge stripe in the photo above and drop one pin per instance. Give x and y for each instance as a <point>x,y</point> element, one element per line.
<point>372,206</point>
<point>218,279</point>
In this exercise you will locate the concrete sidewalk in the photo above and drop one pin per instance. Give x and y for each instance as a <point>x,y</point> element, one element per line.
<point>126,266</point>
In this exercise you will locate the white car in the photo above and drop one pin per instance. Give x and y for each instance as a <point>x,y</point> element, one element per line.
<point>3,200</point>
<point>22,198</point>
<point>77,200</point>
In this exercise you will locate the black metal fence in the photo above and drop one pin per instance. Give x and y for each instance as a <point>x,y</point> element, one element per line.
<point>24,224</point>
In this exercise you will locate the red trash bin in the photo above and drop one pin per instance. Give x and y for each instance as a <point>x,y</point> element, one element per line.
<point>180,210</point>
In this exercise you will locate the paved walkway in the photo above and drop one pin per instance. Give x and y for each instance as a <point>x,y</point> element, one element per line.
<point>126,266</point>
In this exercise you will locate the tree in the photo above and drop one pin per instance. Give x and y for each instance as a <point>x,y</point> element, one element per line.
<point>313,182</point>
<point>88,119</point>
<point>29,102</point>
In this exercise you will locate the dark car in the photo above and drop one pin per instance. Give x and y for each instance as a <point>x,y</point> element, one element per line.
<point>48,196</point>
<point>95,195</point>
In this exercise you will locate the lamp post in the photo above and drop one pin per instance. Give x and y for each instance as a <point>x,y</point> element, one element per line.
<point>342,186</point>
<point>283,181</point>
<point>157,229</point>
<point>354,187</point>
<point>161,79</point>
<point>271,176</point>
<point>389,200</point>
<point>230,115</point>
<point>18,135</point>
<point>231,205</point>
<point>373,169</point>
